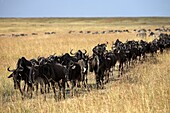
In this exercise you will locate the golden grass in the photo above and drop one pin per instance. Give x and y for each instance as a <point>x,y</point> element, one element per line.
<point>144,89</point>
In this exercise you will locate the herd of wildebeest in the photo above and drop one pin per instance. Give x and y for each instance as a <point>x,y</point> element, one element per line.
<point>140,32</point>
<point>71,70</point>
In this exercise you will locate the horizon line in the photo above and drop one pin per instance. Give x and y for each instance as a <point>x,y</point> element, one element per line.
<point>97,17</point>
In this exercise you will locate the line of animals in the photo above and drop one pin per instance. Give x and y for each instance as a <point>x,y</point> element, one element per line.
<point>72,69</point>
<point>97,32</point>
<point>24,35</point>
<point>139,33</point>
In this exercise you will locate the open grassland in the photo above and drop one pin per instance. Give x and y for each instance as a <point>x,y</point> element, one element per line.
<point>144,89</point>
<point>28,25</point>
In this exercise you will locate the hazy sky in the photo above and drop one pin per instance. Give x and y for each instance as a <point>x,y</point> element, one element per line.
<point>84,8</point>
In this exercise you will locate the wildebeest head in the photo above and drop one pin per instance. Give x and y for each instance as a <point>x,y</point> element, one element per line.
<point>66,58</point>
<point>100,49</point>
<point>117,43</point>
<point>79,54</point>
<point>21,71</point>
<point>16,75</point>
<point>42,60</point>
<point>53,59</point>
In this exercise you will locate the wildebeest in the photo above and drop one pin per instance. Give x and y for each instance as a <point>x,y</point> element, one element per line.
<point>23,34</point>
<point>83,62</point>
<point>2,35</point>
<point>47,33</point>
<point>110,62</point>
<point>21,73</point>
<point>79,54</point>
<point>66,58</point>
<point>141,34</point>
<point>77,67</point>
<point>71,68</point>
<point>151,34</point>
<point>97,63</point>
<point>34,33</point>
<point>53,32</point>
<point>53,73</point>
<point>74,76</point>
<point>71,32</point>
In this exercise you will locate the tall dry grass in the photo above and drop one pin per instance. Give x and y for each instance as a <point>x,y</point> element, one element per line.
<point>144,89</point>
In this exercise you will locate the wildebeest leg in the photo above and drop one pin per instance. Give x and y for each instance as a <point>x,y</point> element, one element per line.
<point>161,50</point>
<point>53,86</point>
<point>78,84</point>
<point>102,79</point>
<point>151,54</point>
<point>36,88</point>
<point>19,86</point>
<point>59,90</point>
<point>31,89</point>
<point>122,69</point>
<point>127,65</point>
<point>45,90</point>
<point>129,62</point>
<point>63,88</point>
<point>71,86</point>
<point>120,65</point>
<point>48,87</point>
<point>24,86</point>
<point>84,81</point>
<point>28,88</point>
<point>107,76</point>
<point>42,87</point>
<point>97,80</point>
<point>111,70</point>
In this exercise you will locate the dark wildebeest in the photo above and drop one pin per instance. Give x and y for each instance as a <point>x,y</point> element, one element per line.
<point>151,34</point>
<point>97,63</point>
<point>53,73</point>
<point>79,61</point>
<point>66,58</point>
<point>110,62</point>
<point>83,62</point>
<point>34,33</point>
<point>21,73</point>
<point>79,54</point>
<point>74,76</point>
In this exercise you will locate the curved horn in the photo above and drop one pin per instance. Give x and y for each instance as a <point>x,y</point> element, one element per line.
<point>10,70</point>
<point>85,51</point>
<point>54,54</point>
<point>71,52</point>
<point>33,64</point>
<point>38,57</point>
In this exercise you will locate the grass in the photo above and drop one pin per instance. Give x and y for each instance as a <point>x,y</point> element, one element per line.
<point>143,89</point>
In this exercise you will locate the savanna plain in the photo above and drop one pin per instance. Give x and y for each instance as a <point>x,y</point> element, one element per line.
<point>144,88</point>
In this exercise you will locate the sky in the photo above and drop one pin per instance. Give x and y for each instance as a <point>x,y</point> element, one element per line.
<point>84,8</point>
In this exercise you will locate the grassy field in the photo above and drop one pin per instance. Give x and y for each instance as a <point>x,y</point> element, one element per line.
<point>144,89</point>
